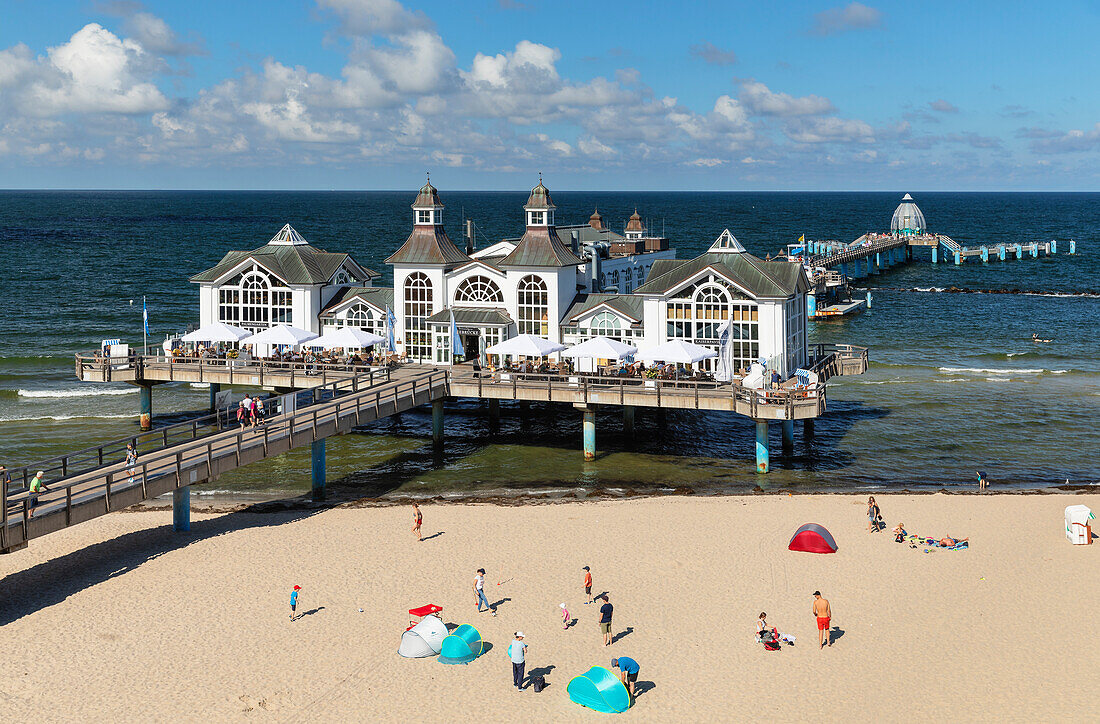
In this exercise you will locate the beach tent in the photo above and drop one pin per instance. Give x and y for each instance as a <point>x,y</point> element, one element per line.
<point>216,332</point>
<point>528,345</point>
<point>677,351</point>
<point>601,348</point>
<point>345,338</point>
<point>813,538</point>
<point>423,639</point>
<point>599,690</point>
<point>462,646</point>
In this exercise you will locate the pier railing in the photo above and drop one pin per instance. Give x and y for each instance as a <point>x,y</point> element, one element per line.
<point>329,405</point>
<point>252,371</point>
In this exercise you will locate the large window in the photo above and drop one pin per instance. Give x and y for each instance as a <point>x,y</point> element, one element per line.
<point>606,324</point>
<point>364,317</point>
<point>711,309</point>
<point>696,313</point>
<point>795,312</point>
<point>533,306</point>
<point>418,307</point>
<point>745,333</point>
<point>478,290</point>
<point>255,301</point>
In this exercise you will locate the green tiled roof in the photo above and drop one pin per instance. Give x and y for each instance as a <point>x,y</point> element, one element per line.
<point>626,304</point>
<point>472,317</point>
<point>772,279</point>
<point>428,245</point>
<point>541,247</point>
<point>294,264</point>
<point>380,297</point>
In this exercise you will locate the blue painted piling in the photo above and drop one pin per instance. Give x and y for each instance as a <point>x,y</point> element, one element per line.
<point>146,407</point>
<point>935,249</point>
<point>1002,252</point>
<point>958,258</point>
<point>1053,246</point>
<point>788,436</point>
<point>589,433</point>
<point>761,446</point>
<point>1072,246</point>
<point>318,460</point>
<point>985,253</point>
<point>1019,251</point>
<point>181,509</point>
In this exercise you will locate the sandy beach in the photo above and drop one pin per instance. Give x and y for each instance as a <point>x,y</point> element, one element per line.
<point>121,618</point>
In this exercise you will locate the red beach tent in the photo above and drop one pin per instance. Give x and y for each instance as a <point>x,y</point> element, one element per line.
<point>813,538</point>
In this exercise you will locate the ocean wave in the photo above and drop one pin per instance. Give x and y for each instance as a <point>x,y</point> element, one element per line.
<point>61,418</point>
<point>75,393</point>
<point>993,371</point>
<point>998,379</point>
<point>1085,294</point>
<point>955,379</point>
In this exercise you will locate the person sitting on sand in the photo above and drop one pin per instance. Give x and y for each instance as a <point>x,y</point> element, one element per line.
<point>950,542</point>
<point>762,626</point>
<point>899,533</point>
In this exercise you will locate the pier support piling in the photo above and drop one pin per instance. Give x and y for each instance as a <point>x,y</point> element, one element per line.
<point>181,509</point>
<point>788,436</point>
<point>808,429</point>
<point>318,460</point>
<point>958,258</point>
<point>589,424</point>
<point>1002,251</point>
<point>1019,251</point>
<point>761,446</point>
<point>1053,247</point>
<point>878,263</point>
<point>628,420</point>
<point>868,300</point>
<point>494,414</point>
<point>935,254</point>
<point>437,422</point>
<point>215,388</point>
<point>1072,247</point>
<point>146,407</point>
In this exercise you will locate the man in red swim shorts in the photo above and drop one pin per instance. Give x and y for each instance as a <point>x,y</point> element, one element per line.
<point>823,613</point>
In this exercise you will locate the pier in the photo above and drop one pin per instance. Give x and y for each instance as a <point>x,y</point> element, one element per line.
<point>319,401</point>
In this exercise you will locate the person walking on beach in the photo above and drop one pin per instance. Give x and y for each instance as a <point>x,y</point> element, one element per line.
<point>37,487</point>
<point>294,601</point>
<point>479,592</point>
<point>131,460</point>
<point>418,518</point>
<point>873,513</point>
<point>628,672</point>
<point>587,585</point>
<point>564,617</point>
<point>606,610</point>
<point>824,614</point>
<point>517,651</point>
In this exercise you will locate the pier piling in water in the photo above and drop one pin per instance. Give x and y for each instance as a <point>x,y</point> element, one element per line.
<point>762,446</point>
<point>317,450</point>
<point>788,436</point>
<point>437,423</point>
<point>215,388</point>
<point>494,413</point>
<point>589,424</point>
<point>181,509</point>
<point>935,254</point>
<point>146,407</point>
<point>628,420</point>
<point>808,429</point>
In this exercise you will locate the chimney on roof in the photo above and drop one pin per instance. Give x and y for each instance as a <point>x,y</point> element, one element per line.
<point>575,242</point>
<point>469,237</point>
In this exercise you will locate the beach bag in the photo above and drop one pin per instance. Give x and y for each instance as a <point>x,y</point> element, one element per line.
<point>538,683</point>
<point>770,639</point>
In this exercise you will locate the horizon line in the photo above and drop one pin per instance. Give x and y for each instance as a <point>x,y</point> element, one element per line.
<point>589,191</point>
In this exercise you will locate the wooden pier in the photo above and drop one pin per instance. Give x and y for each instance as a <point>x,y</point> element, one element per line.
<point>319,401</point>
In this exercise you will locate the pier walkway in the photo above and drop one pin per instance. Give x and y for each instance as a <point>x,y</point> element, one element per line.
<point>320,401</point>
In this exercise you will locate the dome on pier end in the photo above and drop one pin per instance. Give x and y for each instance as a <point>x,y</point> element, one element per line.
<point>908,219</point>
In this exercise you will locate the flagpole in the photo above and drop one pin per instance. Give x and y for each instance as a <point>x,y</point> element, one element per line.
<point>144,327</point>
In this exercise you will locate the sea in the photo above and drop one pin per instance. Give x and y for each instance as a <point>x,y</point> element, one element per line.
<point>956,384</point>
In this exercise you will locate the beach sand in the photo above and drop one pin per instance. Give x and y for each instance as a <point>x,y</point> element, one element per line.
<point>120,618</point>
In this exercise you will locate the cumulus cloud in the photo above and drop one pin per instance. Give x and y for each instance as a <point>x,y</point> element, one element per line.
<point>942,106</point>
<point>763,101</point>
<point>829,130</point>
<point>154,35</point>
<point>712,54</point>
<point>853,16</point>
<point>367,17</point>
<point>1073,141</point>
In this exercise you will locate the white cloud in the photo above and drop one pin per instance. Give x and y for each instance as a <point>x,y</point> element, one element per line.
<point>829,130</point>
<point>943,106</point>
<point>763,101</point>
<point>155,36</point>
<point>712,54</point>
<point>853,16</point>
<point>706,162</point>
<point>368,17</point>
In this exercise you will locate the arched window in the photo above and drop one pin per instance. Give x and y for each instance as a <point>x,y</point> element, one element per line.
<point>418,307</point>
<point>478,290</point>
<point>254,300</point>
<point>606,324</point>
<point>711,309</point>
<point>342,278</point>
<point>363,317</point>
<point>533,306</point>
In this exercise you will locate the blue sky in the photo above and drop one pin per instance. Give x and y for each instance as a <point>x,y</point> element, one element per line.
<point>369,94</point>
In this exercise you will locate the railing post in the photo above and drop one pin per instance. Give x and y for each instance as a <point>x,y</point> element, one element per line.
<point>107,497</point>
<point>144,477</point>
<point>68,508</point>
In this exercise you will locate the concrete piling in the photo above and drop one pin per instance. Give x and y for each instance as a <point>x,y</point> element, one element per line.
<point>318,466</point>
<point>181,509</point>
<point>762,446</point>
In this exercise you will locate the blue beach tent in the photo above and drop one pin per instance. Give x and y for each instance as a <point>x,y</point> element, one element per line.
<point>599,690</point>
<point>462,646</point>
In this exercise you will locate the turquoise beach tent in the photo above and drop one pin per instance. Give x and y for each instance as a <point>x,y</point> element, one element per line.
<point>462,646</point>
<point>599,690</point>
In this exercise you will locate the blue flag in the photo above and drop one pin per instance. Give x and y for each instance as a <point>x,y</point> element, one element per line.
<point>391,321</point>
<point>456,342</point>
<point>145,315</point>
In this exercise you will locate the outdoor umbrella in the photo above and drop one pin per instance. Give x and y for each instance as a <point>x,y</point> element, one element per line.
<point>345,337</point>
<point>284,334</point>
<point>216,332</point>
<point>527,345</point>
<point>601,348</point>
<point>677,351</point>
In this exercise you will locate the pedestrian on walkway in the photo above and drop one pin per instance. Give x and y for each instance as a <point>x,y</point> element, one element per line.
<point>294,601</point>
<point>605,619</point>
<point>131,460</point>
<point>479,592</point>
<point>242,414</point>
<point>587,585</point>
<point>37,487</point>
<point>261,413</point>
<point>517,651</point>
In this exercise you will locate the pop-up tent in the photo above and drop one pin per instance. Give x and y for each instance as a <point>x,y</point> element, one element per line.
<point>813,538</point>
<point>600,690</point>
<point>462,646</point>
<point>423,639</point>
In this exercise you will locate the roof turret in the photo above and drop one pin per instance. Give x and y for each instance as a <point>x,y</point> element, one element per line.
<point>428,197</point>
<point>908,217</point>
<point>635,223</point>
<point>595,220</point>
<point>539,198</point>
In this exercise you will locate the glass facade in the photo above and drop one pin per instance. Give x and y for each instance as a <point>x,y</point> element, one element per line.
<point>418,307</point>
<point>534,306</point>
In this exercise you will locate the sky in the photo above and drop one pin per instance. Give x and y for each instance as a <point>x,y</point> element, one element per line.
<point>486,94</point>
